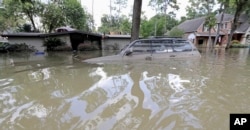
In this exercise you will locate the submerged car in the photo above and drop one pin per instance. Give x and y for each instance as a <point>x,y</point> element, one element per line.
<point>152,49</point>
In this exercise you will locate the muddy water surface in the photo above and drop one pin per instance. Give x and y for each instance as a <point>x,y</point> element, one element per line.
<point>55,91</point>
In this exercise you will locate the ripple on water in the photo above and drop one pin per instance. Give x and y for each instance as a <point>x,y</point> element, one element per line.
<point>5,82</point>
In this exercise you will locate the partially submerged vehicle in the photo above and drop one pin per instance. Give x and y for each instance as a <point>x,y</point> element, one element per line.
<point>152,49</point>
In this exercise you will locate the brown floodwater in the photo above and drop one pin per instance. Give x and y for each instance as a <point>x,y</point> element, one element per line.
<point>56,91</point>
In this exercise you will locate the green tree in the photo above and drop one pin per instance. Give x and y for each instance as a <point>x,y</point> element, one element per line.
<point>183,18</point>
<point>52,17</point>
<point>156,25</point>
<point>31,9</point>
<point>125,25</point>
<point>161,7</point>
<point>176,32</point>
<point>210,20</point>
<point>200,8</point>
<point>105,24</point>
<point>109,24</point>
<point>75,15</point>
<point>196,9</point>
<point>222,9</point>
<point>241,6</point>
<point>10,16</point>
<point>115,24</point>
<point>147,27</point>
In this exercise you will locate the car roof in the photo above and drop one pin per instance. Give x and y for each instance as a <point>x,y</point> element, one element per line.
<point>170,38</point>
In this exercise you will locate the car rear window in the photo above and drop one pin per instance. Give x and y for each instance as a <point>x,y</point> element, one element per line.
<point>161,46</point>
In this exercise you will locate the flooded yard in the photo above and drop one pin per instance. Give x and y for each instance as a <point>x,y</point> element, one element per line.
<point>58,91</point>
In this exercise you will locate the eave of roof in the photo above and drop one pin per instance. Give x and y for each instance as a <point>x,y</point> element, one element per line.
<point>117,36</point>
<point>72,32</point>
<point>22,34</point>
<point>49,34</point>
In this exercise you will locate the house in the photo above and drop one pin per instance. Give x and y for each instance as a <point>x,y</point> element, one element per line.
<point>197,32</point>
<point>115,42</point>
<point>71,38</point>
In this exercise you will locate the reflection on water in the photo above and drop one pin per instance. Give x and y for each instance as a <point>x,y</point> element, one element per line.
<point>168,99</point>
<point>57,91</point>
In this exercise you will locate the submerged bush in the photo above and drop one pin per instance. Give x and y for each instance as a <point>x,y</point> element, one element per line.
<point>87,47</point>
<point>235,42</point>
<point>7,47</point>
<point>238,46</point>
<point>51,43</point>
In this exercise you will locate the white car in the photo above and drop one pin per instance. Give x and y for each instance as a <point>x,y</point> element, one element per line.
<point>152,49</point>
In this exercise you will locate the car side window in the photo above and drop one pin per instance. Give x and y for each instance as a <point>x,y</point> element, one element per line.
<point>162,46</point>
<point>181,46</point>
<point>141,47</point>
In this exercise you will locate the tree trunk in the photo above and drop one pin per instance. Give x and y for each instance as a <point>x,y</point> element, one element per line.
<point>233,28</point>
<point>209,27</point>
<point>210,39</point>
<point>29,14</point>
<point>136,20</point>
<point>219,24</point>
<point>239,8</point>
<point>51,27</point>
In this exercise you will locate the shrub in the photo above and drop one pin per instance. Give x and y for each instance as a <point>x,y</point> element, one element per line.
<point>236,45</point>
<point>87,47</point>
<point>176,32</point>
<point>235,42</point>
<point>6,47</point>
<point>51,43</point>
<point>63,48</point>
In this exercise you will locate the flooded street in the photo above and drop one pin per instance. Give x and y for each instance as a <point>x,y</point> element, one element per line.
<point>57,92</point>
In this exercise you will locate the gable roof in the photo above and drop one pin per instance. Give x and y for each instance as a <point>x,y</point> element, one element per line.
<point>31,34</point>
<point>243,27</point>
<point>226,17</point>
<point>191,25</point>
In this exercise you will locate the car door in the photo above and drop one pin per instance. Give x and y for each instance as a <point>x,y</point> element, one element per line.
<point>139,50</point>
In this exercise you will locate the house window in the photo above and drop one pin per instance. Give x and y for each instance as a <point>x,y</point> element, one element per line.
<point>225,26</point>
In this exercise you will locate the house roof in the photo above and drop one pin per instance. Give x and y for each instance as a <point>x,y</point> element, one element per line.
<point>72,32</point>
<point>22,34</point>
<point>242,28</point>
<point>25,34</point>
<point>191,25</point>
<point>226,17</point>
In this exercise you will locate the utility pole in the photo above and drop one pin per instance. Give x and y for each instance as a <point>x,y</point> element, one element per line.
<point>156,27</point>
<point>93,1</point>
<point>110,8</point>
